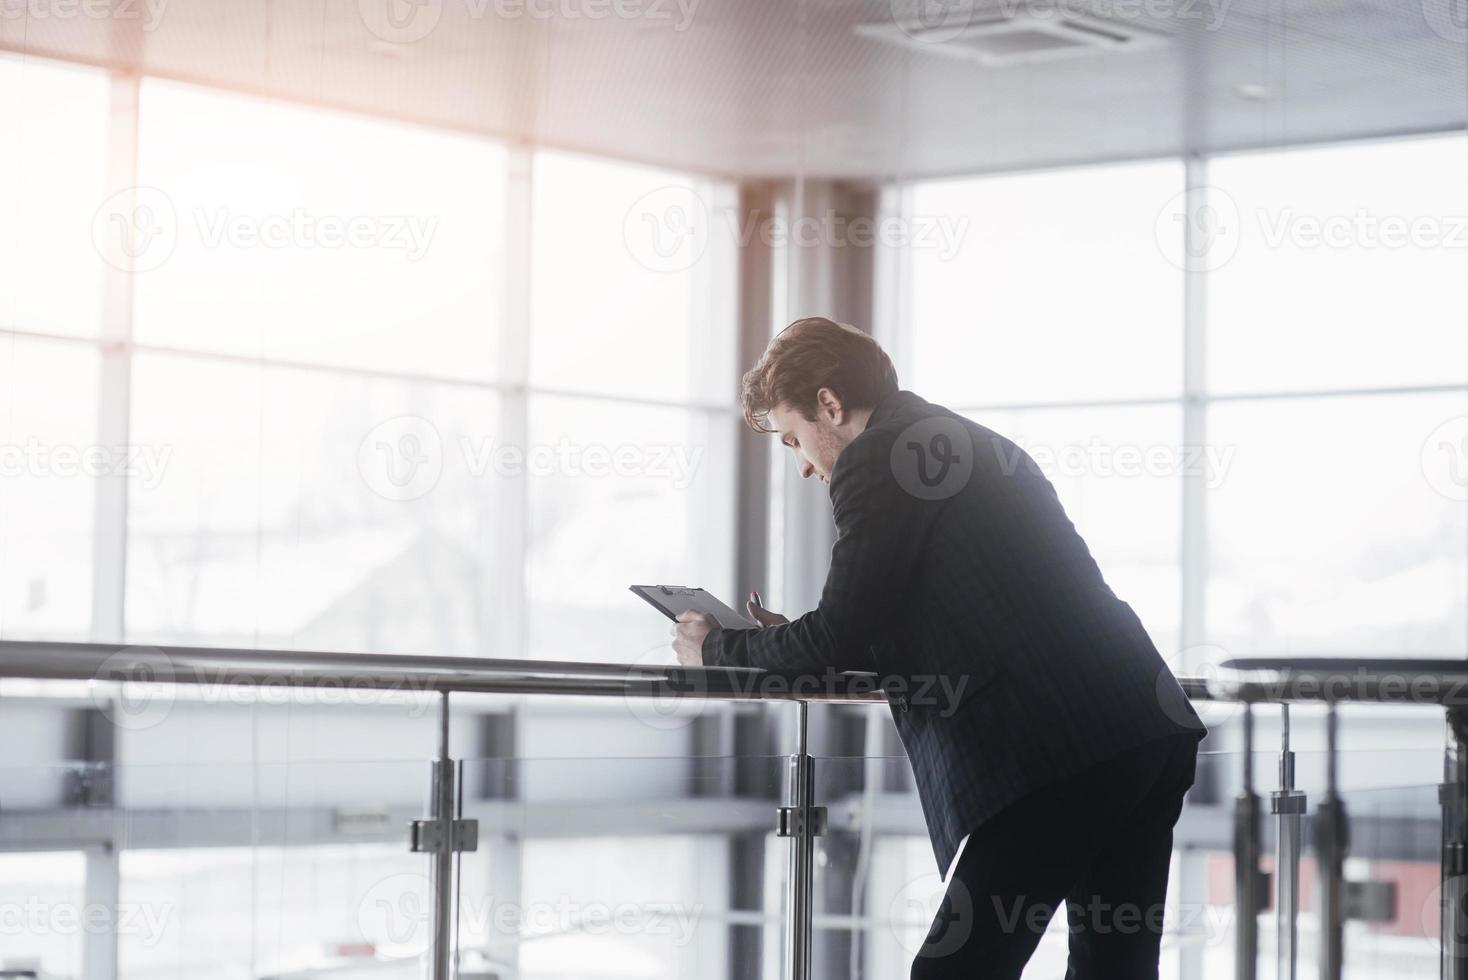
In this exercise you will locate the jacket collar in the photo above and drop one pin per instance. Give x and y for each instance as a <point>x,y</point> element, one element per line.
<point>887,407</point>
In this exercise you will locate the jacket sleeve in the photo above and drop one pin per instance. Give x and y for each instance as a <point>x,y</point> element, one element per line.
<point>880,534</point>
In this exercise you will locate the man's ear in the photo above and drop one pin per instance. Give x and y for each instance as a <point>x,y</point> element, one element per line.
<point>830,406</point>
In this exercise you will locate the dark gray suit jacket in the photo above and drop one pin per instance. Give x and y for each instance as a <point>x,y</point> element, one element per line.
<point>956,576</point>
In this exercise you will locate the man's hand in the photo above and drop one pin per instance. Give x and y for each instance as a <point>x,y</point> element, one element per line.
<point>758,613</point>
<point>688,634</point>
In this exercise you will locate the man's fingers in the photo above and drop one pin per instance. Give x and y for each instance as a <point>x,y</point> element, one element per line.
<point>763,616</point>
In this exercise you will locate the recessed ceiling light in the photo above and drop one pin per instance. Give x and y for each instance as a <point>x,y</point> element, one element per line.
<point>1253,91</point>
<point>1011,37</point>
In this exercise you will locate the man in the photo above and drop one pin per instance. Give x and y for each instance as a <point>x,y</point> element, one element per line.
<point>1057,749</point>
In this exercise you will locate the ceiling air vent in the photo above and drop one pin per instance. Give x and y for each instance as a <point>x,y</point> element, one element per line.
<point>1000,38</point>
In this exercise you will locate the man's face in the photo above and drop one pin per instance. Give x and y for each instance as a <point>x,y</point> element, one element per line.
<point>816,442</point>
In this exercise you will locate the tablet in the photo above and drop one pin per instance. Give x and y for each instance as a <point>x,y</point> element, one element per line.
<point>672,600</point>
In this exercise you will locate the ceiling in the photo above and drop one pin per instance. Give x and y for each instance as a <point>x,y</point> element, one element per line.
<point>755,88</point>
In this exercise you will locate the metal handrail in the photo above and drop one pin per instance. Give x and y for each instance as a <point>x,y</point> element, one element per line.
<point>52,660</point>
<point>46,660</point>
<point>1440,682</point>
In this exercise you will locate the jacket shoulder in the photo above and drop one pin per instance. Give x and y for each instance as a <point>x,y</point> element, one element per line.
<point>882,453</point>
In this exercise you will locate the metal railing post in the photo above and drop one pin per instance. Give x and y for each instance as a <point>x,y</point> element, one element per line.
<point>802,822</point>
<point>444,835</point>
<point>443,857</point>
<point>1289,805</point>
<point>1248,879</point>
<point>1453,796</point>
<point>1331,847</point>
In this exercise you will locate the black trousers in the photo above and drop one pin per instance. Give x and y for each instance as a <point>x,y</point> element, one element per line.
<point>1100,841</point>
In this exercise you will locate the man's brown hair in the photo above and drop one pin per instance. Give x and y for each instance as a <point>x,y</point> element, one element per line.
<point>812,354</point>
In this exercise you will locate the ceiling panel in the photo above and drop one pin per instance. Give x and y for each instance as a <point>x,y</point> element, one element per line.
<point>776,87</point>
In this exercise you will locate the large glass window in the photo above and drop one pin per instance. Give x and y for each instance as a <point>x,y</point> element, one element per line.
<point>633,474</point>
<point>663,891</point>
<point>303,235</point>
<point>312,510</point>
<point>54,127</point>
<point>1339,267</point>
<point>1341,525</point>
<point>348,425</point>
<point>50,468</point>
<point>1045,287</point>
<point>631,281</point>
<point>1305,492</point>
<point>1325,536</point>
<point>53,173</point>
<point>641,495</point>
<point>45,916</point>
